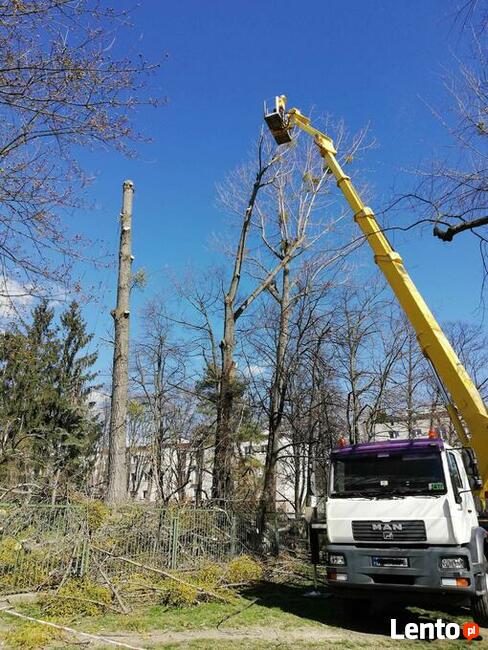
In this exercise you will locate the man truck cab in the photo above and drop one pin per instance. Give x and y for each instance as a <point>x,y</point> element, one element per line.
<point>402,522</point>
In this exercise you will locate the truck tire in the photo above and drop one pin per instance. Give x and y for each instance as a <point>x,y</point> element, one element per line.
<point>479,609</point>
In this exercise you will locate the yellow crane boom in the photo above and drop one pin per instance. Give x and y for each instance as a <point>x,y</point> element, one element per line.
<point>463,398</point>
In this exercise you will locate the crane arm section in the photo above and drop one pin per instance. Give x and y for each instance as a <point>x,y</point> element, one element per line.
<point>463,397</point>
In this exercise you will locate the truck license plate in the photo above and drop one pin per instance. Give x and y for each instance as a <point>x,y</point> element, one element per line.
<point>378,561</point>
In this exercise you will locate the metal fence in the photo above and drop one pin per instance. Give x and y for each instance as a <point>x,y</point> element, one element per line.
<point>40,544</point>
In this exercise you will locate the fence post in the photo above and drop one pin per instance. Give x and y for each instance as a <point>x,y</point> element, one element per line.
<point>85,558</point>
<point>174,541</point>
<point>233,536</point>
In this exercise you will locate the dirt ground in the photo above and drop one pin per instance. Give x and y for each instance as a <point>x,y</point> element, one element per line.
<point>259,637</point>
<point>252,637</point>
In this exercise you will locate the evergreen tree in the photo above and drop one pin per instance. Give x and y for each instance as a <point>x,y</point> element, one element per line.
<point>46,378</point>
<point>75,427</point>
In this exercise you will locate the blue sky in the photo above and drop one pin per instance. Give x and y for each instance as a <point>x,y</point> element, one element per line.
<point>377,62</point>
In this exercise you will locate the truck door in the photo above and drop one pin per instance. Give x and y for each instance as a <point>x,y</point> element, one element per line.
<point>465,506</point>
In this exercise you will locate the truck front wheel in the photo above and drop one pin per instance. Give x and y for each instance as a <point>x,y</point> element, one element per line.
<point>479,609</point>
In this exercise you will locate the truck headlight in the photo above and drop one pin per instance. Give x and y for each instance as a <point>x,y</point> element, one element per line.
<point>336,559</point>
<point>454,563</point>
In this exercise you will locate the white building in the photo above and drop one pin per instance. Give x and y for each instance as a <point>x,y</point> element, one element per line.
<point>185,472</point>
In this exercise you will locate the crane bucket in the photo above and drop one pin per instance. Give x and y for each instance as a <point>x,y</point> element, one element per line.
<point>276,120</point>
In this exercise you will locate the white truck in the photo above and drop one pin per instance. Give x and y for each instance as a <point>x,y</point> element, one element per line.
<point>402,524</point>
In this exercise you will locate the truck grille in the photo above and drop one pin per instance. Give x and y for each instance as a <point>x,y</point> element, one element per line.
<point>389,531</point>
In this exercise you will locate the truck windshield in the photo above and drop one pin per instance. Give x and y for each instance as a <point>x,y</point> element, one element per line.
<point>385,474</point>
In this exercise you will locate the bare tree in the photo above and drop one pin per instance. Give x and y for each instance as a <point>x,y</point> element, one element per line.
<point>291,214</point>
<point>161,365</point>
<point>139,441</point>
<point>291,208</point>
<point>312,400</point>
<point>471,344</point>
<point>409,379</point>
<point>452,193</point>
<point>63,87</point>
<point>366,349</point>
<point>458,194</point>
<point>384,349</point>
<point>222,484</point>
<point>280,225</point>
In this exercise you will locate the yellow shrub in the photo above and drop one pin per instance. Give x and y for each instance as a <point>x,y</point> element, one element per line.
<point>243,569</point>
<point>20,568</point>
<point>177,594</point>
<point>9,550</point>
<point>31,636</point>
<point>96,512</point>
<point>77,596</point>
<point>209,575</point>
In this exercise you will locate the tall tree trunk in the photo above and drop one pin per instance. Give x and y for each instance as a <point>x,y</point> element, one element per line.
<point>297,473</point>
<point>312,421</point>
<point>117,464</point>
<point>199,468</point>
<point>160,460</point>
<point>276,404</point>
<point>222,484</point>
<point>222,480</point>
<point>181,474</point>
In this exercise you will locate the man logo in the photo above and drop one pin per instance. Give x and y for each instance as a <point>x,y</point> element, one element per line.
<point>387,534</point>
<point>383,526</point>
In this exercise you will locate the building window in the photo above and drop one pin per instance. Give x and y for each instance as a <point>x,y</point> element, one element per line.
<point>144,494</point>
<point>394,434</point>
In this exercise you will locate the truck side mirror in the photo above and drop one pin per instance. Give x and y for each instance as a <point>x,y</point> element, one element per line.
<point>471,466</point>
<point>477,483</point>
<point>469,455</point>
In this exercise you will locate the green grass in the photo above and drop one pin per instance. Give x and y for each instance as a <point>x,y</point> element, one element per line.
<point>268,607</point>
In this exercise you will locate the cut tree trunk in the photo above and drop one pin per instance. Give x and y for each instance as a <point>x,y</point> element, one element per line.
<point>117,464</point>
